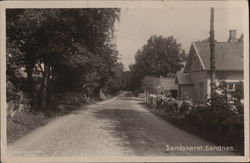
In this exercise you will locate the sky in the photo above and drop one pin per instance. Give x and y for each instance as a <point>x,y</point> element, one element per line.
<point>187,25</point>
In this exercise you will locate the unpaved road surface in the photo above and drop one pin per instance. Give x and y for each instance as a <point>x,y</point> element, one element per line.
<point>116,127</point>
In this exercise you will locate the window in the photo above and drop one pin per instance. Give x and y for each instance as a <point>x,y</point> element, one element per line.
<point>201,90</point>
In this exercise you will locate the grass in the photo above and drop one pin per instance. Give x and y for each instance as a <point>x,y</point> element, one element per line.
<point>25,122</point>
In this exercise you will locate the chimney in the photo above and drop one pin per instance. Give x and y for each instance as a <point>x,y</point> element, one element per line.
<point>232,35</point>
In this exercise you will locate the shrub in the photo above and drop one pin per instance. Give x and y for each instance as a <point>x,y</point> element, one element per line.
<point>170,107</point>
<point>70,98</point>
<point>221,122</point>
<point>202,116</point>
<point>11,91</point>
<point>185,108</point>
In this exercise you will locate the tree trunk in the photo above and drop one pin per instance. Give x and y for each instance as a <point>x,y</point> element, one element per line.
<point>51,86</point>
<point>31,89</point>
<point>44,88</point>
<point>29,77</point>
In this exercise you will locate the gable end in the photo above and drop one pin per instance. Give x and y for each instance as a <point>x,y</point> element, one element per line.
<point>193,53</point>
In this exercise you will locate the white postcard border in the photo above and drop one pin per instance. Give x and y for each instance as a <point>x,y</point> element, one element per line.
<point>123,4</point>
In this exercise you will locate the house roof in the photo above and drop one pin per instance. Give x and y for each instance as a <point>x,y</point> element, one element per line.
<point>152,80</point>
<point>162,82</point>
<point>228,55</point>
<point>168,83</point>
<point>184,79</point>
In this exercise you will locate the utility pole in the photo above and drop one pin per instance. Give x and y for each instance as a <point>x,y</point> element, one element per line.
<point>212,55</point>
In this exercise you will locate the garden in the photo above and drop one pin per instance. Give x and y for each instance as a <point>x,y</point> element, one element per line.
<point>221,122</point>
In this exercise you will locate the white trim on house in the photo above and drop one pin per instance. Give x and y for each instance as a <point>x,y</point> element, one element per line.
<point>197,52</point>
<point>228,80</point>
<point>217,83</point>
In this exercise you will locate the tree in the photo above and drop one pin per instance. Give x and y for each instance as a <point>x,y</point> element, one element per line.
<point>115,81</point>
<point>14,71</point>
<point>126,78</point>
<point>58,44</point>
<point>161,56</point>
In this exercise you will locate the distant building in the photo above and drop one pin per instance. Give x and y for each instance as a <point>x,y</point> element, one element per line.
<point>160,84</point>
<point>194,83</point>
<point>185,86</point>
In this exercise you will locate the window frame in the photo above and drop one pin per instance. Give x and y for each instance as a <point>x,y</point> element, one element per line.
<point>201,91</point>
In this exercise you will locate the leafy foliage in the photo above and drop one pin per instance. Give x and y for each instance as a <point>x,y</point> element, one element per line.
<point>161,56</point>
<point>67,49</point>
<point>222,122</point>
<point>223,99</point>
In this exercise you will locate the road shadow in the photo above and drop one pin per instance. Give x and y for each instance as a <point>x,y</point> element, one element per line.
<point>134,132</point>
<point>147,135</point>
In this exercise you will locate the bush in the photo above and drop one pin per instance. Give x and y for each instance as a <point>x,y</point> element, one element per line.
<point>202,116</point>
<point>185,108</point>
<point>11,91</point>
<point>70,98</point>
<point>221,122</point>
<point>22,123</point>
<point>232,131</point>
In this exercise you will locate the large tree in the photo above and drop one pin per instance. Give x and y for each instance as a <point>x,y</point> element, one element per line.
<point>161,56</point>
<point>68,45</point>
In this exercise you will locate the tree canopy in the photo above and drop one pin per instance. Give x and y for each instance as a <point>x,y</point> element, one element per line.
<point>66,48</point>
<point>160,56</point>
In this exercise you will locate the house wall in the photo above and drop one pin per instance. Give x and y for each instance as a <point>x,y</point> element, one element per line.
<point>168,83</point>
<point>199,77</point>
<point>195,64</point>
<point>229,76</point>
<point>193,61</point>
<point>204,77</point>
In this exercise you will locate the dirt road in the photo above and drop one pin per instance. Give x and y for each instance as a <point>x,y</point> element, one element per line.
<point>116,127</point>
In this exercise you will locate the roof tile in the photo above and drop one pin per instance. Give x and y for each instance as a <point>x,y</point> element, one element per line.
<point>228,56</point>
